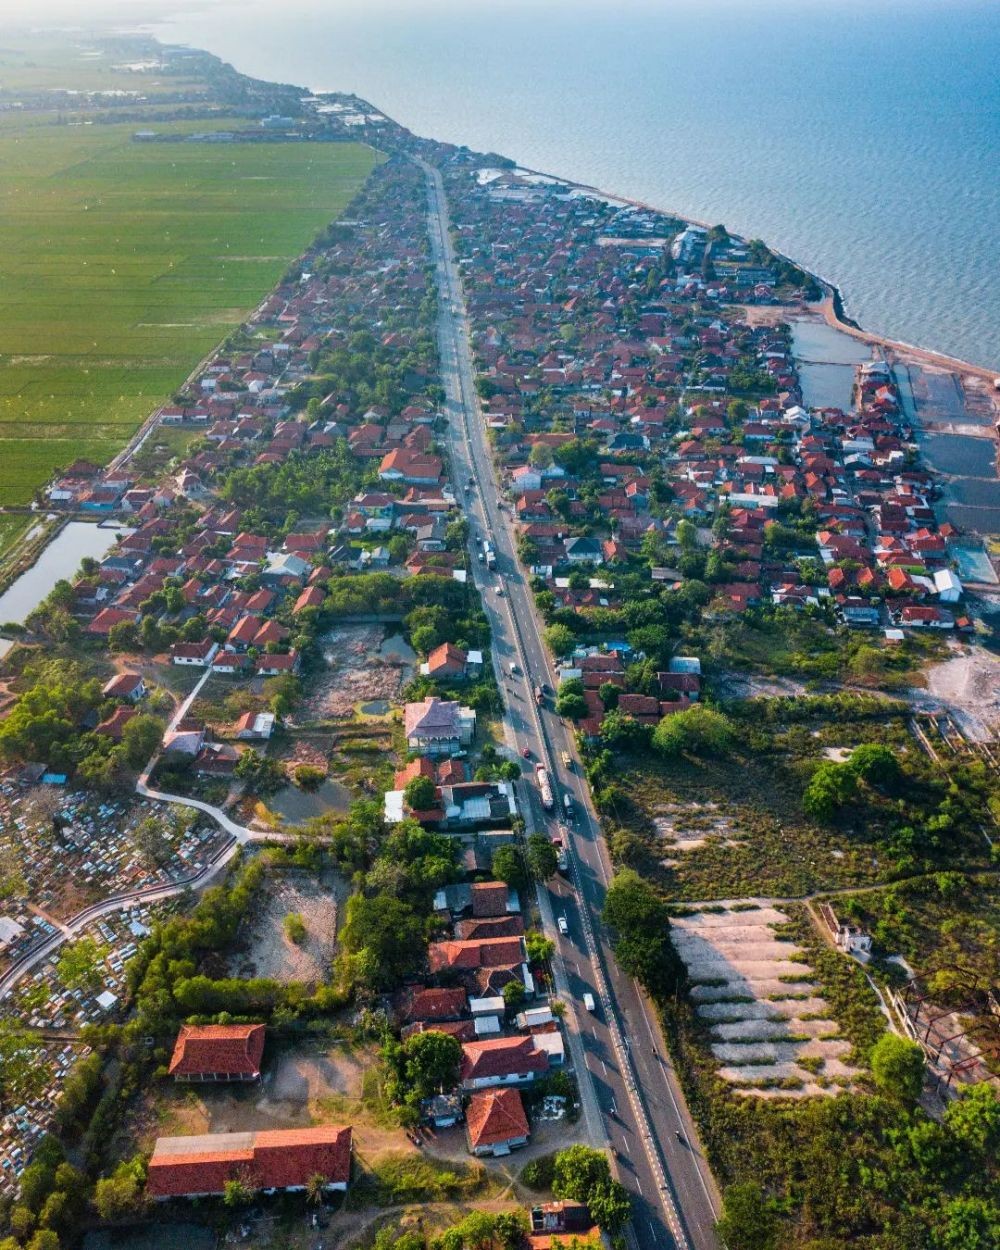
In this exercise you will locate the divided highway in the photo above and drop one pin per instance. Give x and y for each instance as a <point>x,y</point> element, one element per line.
<point>630,1093</point>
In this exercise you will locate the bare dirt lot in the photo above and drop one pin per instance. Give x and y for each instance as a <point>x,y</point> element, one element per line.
<point>357,672</point>
<point>269,952</point>
<point>772,1032</point>
<point>302,1085</point>
<point>968,685</point>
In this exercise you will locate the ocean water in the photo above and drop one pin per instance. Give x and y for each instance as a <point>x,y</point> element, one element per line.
<point>859,136</point>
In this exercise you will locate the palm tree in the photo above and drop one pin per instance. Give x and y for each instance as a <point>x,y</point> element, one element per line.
<point>315,1187</point>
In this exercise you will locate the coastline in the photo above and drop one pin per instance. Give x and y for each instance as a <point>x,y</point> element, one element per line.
<point>831,308</point>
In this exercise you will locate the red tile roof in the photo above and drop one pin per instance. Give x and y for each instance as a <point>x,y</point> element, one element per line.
<point>443,1004</point>
<point>501,1056</point>
<point>233,1050</point>
<point>488,953</point>
<point>489,898</point>
<point>281,1159</point>
<point>495,1117</point>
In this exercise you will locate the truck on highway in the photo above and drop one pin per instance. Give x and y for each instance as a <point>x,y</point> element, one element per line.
<point>568,806</point>
<point>491,557</point>
<point>538,695</point>
<point>567,761</point>
<point>544,786</point>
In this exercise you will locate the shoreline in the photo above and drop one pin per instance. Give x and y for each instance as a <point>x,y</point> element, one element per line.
<point>831,308</point>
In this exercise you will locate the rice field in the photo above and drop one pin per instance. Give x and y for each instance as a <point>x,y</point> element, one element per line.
<point>122,264</point>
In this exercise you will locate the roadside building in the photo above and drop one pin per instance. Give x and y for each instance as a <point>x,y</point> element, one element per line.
<point>495,1123</point>
<point>282,1160</point>
<point>218,1052</point>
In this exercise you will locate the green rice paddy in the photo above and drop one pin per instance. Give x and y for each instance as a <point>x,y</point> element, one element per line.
<point>122,264</point>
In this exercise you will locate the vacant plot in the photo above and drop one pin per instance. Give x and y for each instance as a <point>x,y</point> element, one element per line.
<point>772,1033</point>
<point>125,263</point>
<point>269,952</point>
<point>357,672</point>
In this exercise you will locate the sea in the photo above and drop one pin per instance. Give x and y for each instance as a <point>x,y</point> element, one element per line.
<point>860,137</point>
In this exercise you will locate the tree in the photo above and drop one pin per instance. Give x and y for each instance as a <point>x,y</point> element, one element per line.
<point>560,639</point>
<point>898,1067</point>
<point>141,736</point>
<point>508,866</point>
<point>44,1239</point>
<point>420,794</point>
<point>120,1196</point>
<point>151,840</point>
<point>543,859</point>
<point>315,1188</point>
<point>295,928</point>
<point>538,946</point>
<point>510,1228</point>
<point>570,700</point>
<point>830,787</point>
<point>261,774</point>
<point>21,1074</point>
<point>747,1223</point>
<point>430,1063</point>
<point>78,965</point>
<point>514,995</point>
<point>698,729</point>
<point>577,1170</point>
<point>974,1120</point>
<point>620,729</point>
<point>610,1206</point>
<point>385,937</point>
<point>874,763</point>
<point>639,920</point>
<point>238,1191</point>
<point>609,693</point>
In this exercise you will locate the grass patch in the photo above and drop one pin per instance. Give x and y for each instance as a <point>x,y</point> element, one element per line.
<point>125,263</point>
<point>400,1177</point>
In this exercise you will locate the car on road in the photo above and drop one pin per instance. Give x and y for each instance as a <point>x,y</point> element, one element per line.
<point>499,592</point>
<point>513,669</point>
<point>568,806</point>
<point>563,924</point>
<point>526,752</point>
<point>588,1002</point>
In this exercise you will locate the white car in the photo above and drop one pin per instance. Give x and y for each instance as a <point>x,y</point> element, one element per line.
<point>563,924</point>
<point>588,1002</point>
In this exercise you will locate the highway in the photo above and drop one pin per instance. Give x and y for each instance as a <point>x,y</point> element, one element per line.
<point>631,1096</point>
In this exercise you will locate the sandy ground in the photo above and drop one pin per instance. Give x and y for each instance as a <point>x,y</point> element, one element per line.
<point>357,672</point>
<point>967,684</point>
<point>786,1027</point>
<point>269,952</point>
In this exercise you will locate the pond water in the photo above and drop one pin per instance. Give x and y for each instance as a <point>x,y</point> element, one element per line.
<point>298,806</point>
<point>973,563</point>
<point>826,360</point>
<point>60,559</point>
<point>960,454</point>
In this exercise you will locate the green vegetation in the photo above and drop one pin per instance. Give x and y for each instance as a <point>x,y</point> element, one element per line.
<point>295,928</point>
<point>583,1174</point>
<point>756,813</point>
<point>639,921</point>
<point>125,263</point>
<point>898,1067</point>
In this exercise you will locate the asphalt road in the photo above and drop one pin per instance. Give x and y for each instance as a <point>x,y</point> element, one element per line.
<point>631,1096</point>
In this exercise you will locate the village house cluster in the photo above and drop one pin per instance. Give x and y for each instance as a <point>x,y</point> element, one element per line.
<point>627,391</point>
